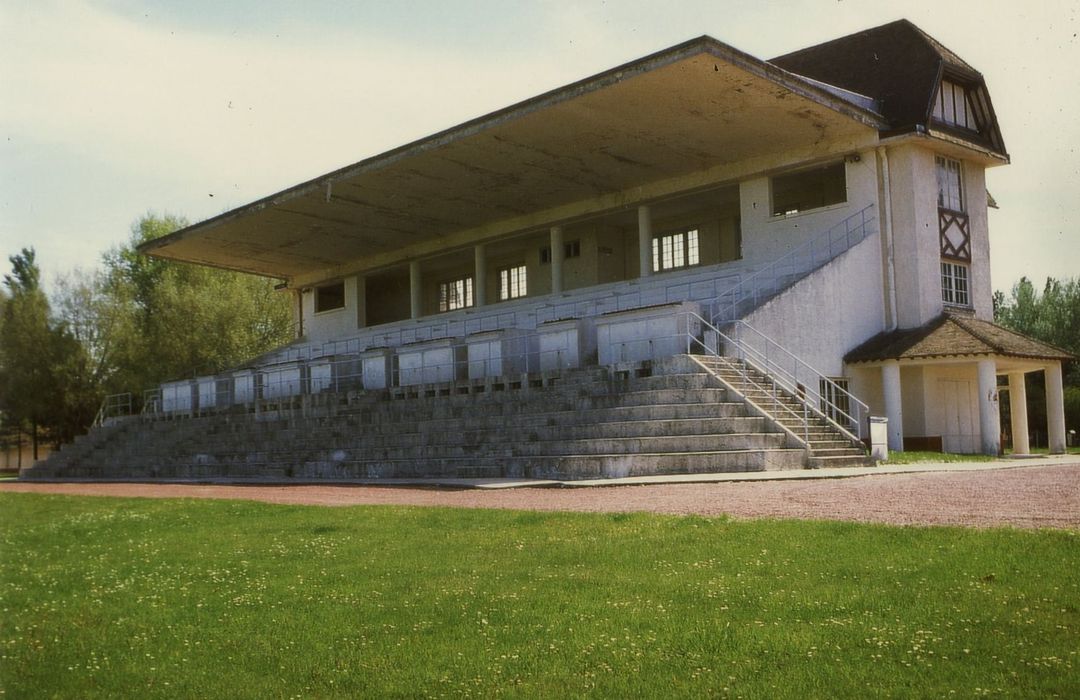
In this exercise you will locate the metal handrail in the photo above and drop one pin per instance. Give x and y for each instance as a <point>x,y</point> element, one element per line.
<point>791,266</point>
<point>113,406</point>
<point>788,372</point>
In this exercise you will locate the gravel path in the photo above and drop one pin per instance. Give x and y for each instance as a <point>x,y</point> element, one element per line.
<point>1028,497</point>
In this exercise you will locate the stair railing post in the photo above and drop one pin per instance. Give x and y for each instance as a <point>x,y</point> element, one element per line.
<point>806,424</point>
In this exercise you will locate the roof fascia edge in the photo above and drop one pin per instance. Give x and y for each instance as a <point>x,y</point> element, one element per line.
<point>704,44</point>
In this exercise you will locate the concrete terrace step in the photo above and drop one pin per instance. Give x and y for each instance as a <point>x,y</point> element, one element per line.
<point>664,419</point>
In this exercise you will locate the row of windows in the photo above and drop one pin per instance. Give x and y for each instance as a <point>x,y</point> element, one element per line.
<point>792,194</point>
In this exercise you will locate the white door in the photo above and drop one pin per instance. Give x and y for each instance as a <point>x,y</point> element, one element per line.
<point>959,431</point>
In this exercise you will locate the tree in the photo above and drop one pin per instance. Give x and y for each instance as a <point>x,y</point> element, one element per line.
<point>36,354</point>
<point>180,320</point>
<point>1052,316</point>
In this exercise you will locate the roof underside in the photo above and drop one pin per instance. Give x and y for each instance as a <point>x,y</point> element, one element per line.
<point>953,335</point>
<point>682,111</point>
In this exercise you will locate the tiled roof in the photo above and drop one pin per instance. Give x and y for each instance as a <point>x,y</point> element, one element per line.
<point>953,335</point>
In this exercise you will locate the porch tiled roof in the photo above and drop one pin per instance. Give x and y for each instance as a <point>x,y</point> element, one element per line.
<point>953,335</point>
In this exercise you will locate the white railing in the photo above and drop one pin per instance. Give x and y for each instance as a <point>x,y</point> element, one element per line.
<point>335,366</point>
<point>764,364</point>
<point>113,406</point>
<point>752,291</point>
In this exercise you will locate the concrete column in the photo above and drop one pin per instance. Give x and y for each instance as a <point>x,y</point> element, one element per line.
<point>298,312</point>
<point>557,254</point>
<point>1055,409</point>
<point>361,301</point>
<point>1018,410</point>
<point>416,290</point>
<point>894,406</point>
<point>989,412</point>
<point>479,275</point>
<point>644,222</point>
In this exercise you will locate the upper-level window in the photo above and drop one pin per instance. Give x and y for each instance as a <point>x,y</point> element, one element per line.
<point>809,189</point>
<point>950,182</point>
<point>456,294</point>
<point>571,249</point>
<point>954,284</point>
<point>675,250</point>
<point>954,107</point>
<point>512,282</point>
<point>330,297</point>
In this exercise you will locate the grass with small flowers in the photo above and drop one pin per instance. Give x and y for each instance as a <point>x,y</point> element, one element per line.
<point>104,597</point>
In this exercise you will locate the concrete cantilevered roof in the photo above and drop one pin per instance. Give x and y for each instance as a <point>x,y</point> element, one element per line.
<point>677,112</point>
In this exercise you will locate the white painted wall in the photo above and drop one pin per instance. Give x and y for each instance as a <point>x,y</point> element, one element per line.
<point>982,290</point>
<point>330,324</point>
<point>915,235</point>
<point>765,237</point>
<point>830,312</point>
<point>952,406</point>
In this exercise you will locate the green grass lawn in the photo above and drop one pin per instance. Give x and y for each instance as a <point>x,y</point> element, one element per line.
<point>169,598</point>
<point>917,457</point>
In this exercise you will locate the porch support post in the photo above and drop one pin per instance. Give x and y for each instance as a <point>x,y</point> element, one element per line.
<point>989,415</point>
<point>894,407</point>
<point>557,255</point>
<point>480,275</point>
<point>416,287</point>
<point>644,222</point>
<point>361,301</point>
<point>1055,408</point>
<point>1018,410</point>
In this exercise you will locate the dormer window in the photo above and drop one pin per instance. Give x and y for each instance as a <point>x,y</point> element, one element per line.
<point>955,106</point>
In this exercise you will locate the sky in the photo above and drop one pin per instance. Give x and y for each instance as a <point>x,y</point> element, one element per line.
<point>110,109</point>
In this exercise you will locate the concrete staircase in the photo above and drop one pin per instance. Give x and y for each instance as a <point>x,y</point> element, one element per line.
<point>668,417</point>
<point>828,446</point>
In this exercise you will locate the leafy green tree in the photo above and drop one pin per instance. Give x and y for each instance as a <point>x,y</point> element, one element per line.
<point>35,353</point>
<point>1052,316</point>
<point>181,320</point>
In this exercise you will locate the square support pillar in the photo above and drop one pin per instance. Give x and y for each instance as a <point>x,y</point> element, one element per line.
<point>989,411</point>
<point>361,301</point>
<point>479,275</point>
<point>894,405</point>
<point>644,219</point>
<point>416,288</point>
<point>1018,410</point>
<point>1055,409</point>
<point>558,253</point>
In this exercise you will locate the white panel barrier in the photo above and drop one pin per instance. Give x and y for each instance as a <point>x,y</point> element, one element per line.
<point>321,375</point>
<point>244,387</point>
<point>280,381</point>
<point>566,343</point>
<point>377,366</point>
<point>649,333</point>
<point>207,388</point>
<point>177,397</point>
<point>432,361</point>
<point>500,353</point>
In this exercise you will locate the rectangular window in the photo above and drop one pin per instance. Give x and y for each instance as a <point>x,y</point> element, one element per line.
<point>570,250</point>
<point>953,106</point>
<point>675,250</point>
<point>512,282</point>
<point>330,297</point>
<point>456,294</point>
<point>954,284</point>
<point>950,184</point>
<point>809,189</point>
<point>835,401</point>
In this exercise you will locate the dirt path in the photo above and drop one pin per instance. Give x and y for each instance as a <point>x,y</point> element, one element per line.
<point>1029,497</point>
